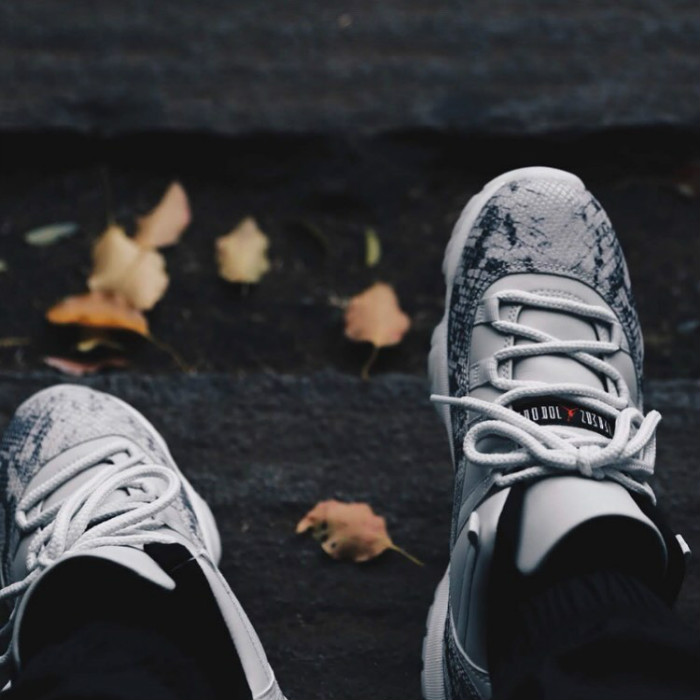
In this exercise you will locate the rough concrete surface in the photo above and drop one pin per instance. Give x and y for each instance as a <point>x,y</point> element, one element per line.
<point>232,67</point>
<point>264,448</point>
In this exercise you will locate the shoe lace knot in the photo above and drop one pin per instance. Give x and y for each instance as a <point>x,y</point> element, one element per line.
<point>91,516</point>
<point>626,457</point>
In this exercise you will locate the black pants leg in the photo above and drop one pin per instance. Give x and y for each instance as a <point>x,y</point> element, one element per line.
<point>107,660</point>
<point>96,630</point>
<point>595,621</point>
<point>600,636</point>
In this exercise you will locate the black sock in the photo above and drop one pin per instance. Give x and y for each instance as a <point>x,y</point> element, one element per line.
<point>97,630</point>
<point>591,623</point>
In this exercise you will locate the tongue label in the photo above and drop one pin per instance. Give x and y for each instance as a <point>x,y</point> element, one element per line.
<point>550,411</point>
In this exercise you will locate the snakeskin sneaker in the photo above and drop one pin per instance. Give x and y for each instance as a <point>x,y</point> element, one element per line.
<point>86,477</point>
<point>536,372</point>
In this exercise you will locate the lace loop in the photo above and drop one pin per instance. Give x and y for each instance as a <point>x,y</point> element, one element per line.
<point>627,457</point>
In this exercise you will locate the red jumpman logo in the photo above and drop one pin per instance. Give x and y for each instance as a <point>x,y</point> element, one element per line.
<point>570,412</point>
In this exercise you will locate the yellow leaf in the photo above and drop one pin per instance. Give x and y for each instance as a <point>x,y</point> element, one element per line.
<point>94,338</point>
<point>98,310</point>
<point>123,267</point>
<point>349,531</point>
<point>373,248</point>
<point>165,224</point>
<point>242,254</point>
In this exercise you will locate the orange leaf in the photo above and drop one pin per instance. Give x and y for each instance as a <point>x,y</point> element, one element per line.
<point>99,310</point>
<point>165,224</point>
<point>349,531</point>
<point>77,368</point>
<point>375,316</point>
<point>122,266</point>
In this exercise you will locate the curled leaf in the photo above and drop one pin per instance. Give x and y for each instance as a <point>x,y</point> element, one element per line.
<point>373,248</point>
<point>242,254</point>
<point>375,316</point>
<point>95,338</point>
<point>123,267</point>
<point>79,368</point>
<point>349,531</point>
<point>98,310</point>
<point>165,224</point>
<point>50,234</point>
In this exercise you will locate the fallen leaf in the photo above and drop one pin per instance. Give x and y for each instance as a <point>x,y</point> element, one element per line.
<point>687,180</point>
<point>373,248</point>
<point>99,310</point>
<point>349,531</point>
<point>123,267</point>
<point>78,368</point>
<point>242,254</point>
<point>14,342</point>
<point>97,338</point>
<point>375,316</point>
<point>165,224</point>
<point>50,234</point>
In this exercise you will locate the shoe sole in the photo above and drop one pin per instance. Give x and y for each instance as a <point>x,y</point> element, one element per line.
<point>432,675</point>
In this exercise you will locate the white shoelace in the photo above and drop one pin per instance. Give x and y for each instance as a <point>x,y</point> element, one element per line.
<point>627,457</point>
<point>85,520</point>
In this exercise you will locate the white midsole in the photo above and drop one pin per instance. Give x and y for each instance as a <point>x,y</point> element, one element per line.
<point>432,677</point>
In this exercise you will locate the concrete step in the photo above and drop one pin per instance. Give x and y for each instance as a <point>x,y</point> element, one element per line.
<point>263,448</point>
<point>217,66</point>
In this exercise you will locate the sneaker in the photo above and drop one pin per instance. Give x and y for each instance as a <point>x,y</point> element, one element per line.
<point>536,372</point>
<point>87,477</point>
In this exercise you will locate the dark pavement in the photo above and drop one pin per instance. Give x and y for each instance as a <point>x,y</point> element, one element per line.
<point>482,66</point>
<point>264,448</point>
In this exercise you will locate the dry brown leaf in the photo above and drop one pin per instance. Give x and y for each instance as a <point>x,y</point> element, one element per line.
<point>123,267</point>
<point>165,224</point>
<point>375,316</point>
<point>349,531</point>
<point>242,254</point>
<point>99,310</point>
<point>77,368</point>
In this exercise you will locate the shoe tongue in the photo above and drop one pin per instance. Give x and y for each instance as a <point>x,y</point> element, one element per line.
<point>555,507</point>
<point>568,415</point>
<point>556,368</point>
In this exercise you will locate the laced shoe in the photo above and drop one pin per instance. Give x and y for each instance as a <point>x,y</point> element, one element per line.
<point>536,373</point>
<point>86,476</point>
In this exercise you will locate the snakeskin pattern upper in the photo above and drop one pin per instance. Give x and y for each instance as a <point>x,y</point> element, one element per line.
<point>49,423</point>
<point>531,226</point>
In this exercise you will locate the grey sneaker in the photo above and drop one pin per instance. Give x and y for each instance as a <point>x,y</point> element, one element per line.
<point>86,475</point>
<point>536,371</point>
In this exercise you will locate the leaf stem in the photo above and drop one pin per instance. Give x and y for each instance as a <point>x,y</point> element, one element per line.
<point>176,357</point>
<point>370,361</point>
<point>408,556</point>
